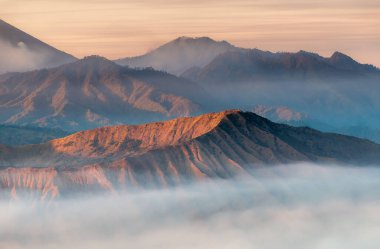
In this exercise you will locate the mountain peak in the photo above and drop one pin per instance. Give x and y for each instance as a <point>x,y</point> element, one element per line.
<point>180,54</point>
<point>344,61</point>
<point>93,62</point>
<point>195,39</point>
<point>96,59</point>
<point>231,112</point>
<point>200,41</point>
<point>338,56</point>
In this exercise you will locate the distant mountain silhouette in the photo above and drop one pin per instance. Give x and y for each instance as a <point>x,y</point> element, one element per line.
<point>250,66</point>
<point>336,91</point>
<point>215,145</point>
<point>94,92</point>
<point>22,52</point>
<point>342,61</point>
<point>181,54</point>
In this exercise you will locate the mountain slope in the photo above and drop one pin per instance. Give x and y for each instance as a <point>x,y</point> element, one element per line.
<point>22,52</point>
<point>215,145</point>
<point>180,54</point>
<point>94,92</point>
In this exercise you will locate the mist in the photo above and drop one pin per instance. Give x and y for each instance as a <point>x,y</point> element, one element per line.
<point>19,58</point>
<point>294,206</point>
<point>342,106</point>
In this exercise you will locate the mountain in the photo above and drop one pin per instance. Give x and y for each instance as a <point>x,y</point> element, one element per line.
<point>23,52</point>
<point>337,90</point>
<point>94,92</point>
<point>342,61</point>
<point>214,145</point>
<point>21,135</point>
<point>255,65</point>
<point>180,55</point>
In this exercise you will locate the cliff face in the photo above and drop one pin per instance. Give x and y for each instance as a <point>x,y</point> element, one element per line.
<point>216,145</point>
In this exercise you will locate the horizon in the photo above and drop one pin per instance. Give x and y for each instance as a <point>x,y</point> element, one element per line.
<point>103,28</point>
<point>193,38</point>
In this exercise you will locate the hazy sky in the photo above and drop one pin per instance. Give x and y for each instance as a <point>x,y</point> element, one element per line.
<point>118,28</point>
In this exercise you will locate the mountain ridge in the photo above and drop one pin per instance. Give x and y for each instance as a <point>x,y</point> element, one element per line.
<point>254,64</point>
<point>214,145</point>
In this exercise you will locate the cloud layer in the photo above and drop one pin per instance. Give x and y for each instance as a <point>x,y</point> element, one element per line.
<point>298,206</point>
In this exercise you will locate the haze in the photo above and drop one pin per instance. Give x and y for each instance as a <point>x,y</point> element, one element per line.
<point>125,28</point>
<point>295,206</point>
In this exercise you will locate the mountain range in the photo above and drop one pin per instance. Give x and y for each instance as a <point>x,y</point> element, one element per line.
<point>23,52</point>
<point>336,93</point>
<point>253,65</point>
<point>108,108</point>
<point>214,145</point>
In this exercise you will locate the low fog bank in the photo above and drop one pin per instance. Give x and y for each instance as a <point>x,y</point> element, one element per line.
<point>294,206</point>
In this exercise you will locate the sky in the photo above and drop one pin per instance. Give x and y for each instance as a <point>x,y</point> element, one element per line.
<point>119,28</point>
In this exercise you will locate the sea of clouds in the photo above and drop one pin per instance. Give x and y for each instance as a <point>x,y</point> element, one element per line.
<point>301,206</point>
